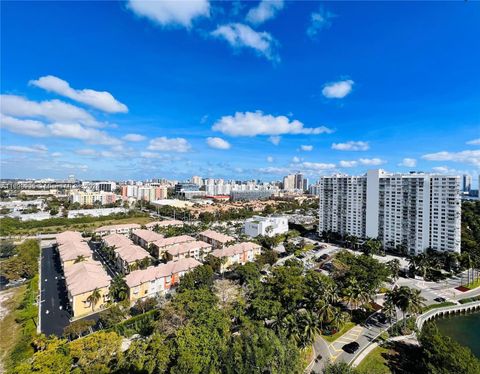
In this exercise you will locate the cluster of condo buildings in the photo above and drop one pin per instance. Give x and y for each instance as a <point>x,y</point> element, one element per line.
<point>151,264</point>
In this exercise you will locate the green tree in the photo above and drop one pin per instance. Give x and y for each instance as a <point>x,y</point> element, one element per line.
<point>78,328</point>
<point>94,298</point>
<point>443,355</point>
<point>118,289</point>
<point>151,355</point>
<point>96,353</point>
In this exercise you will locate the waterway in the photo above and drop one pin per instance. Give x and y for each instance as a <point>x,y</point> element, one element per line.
<point>465,329</point>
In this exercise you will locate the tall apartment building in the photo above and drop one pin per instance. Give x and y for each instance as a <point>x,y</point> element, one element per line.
<point>415,210</point>
<point>466,183</point>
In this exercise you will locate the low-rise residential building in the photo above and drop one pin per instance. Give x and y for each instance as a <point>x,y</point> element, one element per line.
<point>266,226</point>
<point>157,280</point>
<point>239,253</point>
<point>87,287</point>
<point>127,255</point>
<point>124,229</point>
<point>216,239</point>
<point>90,198</point>
<point>158,248</point>
<point>166,223</point>
<point>72,247</point>
<point>196,249</point>
<point>144,238</point>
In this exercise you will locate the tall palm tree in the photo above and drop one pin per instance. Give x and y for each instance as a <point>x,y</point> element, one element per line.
<point>408,300</point>
<point>389,309</point>
<point>339,318</point>
<point>352,294</point>
<point>325,312</point>
<point>394,267</point>
<point>118,289</point>
<point>94,297</point>
<point>308,328</point>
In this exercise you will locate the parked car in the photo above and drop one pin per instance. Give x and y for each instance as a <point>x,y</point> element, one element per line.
<point>328,267</point>
<point>324,256</point>
<point>351,347</point>
<point>440,299</point>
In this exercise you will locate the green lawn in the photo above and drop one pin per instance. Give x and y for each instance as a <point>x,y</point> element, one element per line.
<point>439,305</point>
<point>474,284</point>
<point>375,363</point>
<point>343,330</point>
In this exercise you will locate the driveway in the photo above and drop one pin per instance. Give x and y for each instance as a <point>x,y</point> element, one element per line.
<point>54,315</point>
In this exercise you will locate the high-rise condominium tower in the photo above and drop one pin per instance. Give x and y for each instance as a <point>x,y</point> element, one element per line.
<point>415,211</point>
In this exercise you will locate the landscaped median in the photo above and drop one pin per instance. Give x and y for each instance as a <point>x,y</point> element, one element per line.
<point>346,327</point>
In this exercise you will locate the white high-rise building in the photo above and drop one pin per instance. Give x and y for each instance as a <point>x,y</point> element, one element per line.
<point>289,182</point>
<point>413,210</point>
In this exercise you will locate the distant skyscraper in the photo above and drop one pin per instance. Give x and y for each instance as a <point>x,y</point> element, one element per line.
<point>466,183</point>
<point>305,184</point>
<point>299,181</point>
<point>197,180</point>
<point>289,182</point>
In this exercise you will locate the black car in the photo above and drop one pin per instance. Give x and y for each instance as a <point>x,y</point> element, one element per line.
<point>351,347</point>
<point>440,299</point>
<point>324,256</point>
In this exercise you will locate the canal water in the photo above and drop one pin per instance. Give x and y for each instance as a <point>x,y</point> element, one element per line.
<point>465,329</point>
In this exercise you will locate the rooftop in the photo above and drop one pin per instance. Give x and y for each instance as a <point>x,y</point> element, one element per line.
<point>187,247</point>
<point>126,226</point>
<point>170,222</point>
<point>85,276</point>
<point>173,240</point>
<point>148,235</point>
<point>222,238</point>
<point>151,273</point>
<point>235,249</point>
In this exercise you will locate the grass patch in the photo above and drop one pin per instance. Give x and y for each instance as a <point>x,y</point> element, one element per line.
<point>26,316</point>
<point>469,300</point>
<point>8,327</point>
<point>308,247</point>
<point>331,338</point>
<point>375,362</point>
<point>473,284</point>
<point>307,355</point>
<point>439,305</point>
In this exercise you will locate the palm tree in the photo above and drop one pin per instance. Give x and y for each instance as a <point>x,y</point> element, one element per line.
<point>352,294</point>
<point>389,309</point>
<point>118,289</point>
<point>339,318</point>
<point>308,328</point>
<point>325,312</point>
<point>408,300</point>
<point>394,267</point>
<point>94,297</point>
<point>79,258</point>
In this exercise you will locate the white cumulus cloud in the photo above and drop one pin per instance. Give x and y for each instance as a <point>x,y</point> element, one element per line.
<point>371,161</point>
<point>337,90</point>
<point>266,9</point>
<point>241,36</point>
<point>170,12</point>
<point>269,159</point>
<point>164,144</point>
<point>306,148</point>
<point>134,138</point>
<point>27,127</point>
<point>317,166</point>
<point>53,110</point>
<point>467,157</point>
<point>351,146</point>
<point>408,162</point>
<point>474,142</point>
<point>257,123</point>
<point>348,164</point>
<point>102,100</point>
<point>218,143</point>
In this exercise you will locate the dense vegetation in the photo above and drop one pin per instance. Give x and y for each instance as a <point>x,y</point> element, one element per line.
<point>12,226</point>
<point>23,263</point>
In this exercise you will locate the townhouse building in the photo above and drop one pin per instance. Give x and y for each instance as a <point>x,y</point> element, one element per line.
<point>87,287</point>
<point>166,223</point>
<point>71,247</point>
<point>195,249</point>
<point>216,239</point>
<point>158,248</point>
<point>144,238</point>
<point>157,280</point>
<point>127,255</point>
<point>239,253</point>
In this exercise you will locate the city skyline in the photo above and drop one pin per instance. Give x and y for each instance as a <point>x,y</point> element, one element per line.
<point>228,91</point>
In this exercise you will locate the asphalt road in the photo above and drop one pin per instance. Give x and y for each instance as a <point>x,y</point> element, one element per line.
<point>54,315</point>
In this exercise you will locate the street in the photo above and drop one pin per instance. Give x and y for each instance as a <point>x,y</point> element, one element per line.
<point>53,305</point>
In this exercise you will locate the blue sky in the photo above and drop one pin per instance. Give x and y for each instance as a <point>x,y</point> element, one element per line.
<point>134,90</point>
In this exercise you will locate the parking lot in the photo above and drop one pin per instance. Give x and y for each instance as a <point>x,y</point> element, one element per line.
<point>54,314</point>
